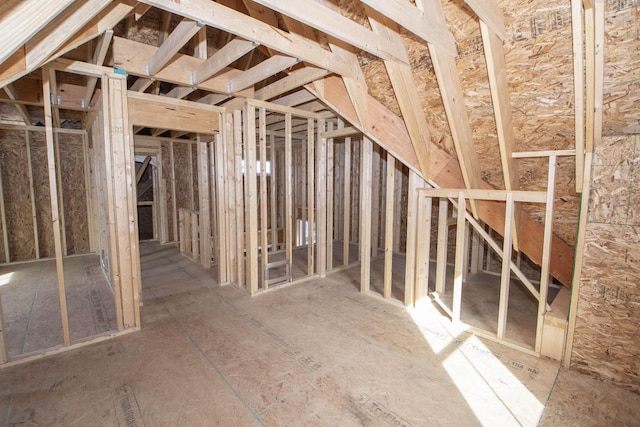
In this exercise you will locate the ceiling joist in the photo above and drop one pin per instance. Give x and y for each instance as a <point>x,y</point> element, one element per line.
<point>180,36</point>
<point>228,54</point>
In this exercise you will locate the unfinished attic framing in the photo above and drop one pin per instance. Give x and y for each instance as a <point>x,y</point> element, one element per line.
<point>277,141</point>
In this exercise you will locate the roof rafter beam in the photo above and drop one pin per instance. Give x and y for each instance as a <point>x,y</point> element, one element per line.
<point>98,59</point>
<point>221,17</point>
<point>336,25</point>
<point>294,80</point>
<point>489,12</point>
<point>425,26</point>
<point>229,53</point>
<point>24,20</point>
<point>261,71</point>
<point>22,109</point>
<point>180,36</point>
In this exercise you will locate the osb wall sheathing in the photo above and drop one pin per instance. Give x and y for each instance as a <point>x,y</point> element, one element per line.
<point>72,185</point>
<point>540,74</point>
<point>41,194</point>
<point>184,181</point>
<point>606,336</point>
<point>166,171</point>
<point>15,182</point>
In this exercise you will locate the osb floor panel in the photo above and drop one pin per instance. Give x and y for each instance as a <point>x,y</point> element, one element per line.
<point>31,308</point>
<point>316,353</point>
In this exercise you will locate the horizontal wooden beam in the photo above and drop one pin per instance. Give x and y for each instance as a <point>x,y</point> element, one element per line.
<point>180,36</point>
<point>224,57</point>
<point>422,25</point>
<point>482,194</point>
<point>341,133</point>
<point>295,79</point>
<point>261,71</point>
<point>227,19</point>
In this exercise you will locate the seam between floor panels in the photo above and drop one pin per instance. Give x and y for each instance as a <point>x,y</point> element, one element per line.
<point>213,365</point>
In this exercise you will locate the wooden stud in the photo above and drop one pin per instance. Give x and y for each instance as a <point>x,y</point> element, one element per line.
<point>192,202</point>
<point>423,248</point>
<point>330,199</point>
<point>321,202</point>
<point>63,228</point>
<point>443,242</point>
<point>346,219</point>
<point>3,218</point>
<point>264,238</point>
<point>375,201</point>
<point>310,196</point>
<point>273,185</point>
<point>4,356</point>
<point>53,190</point>
<point>546,252</point>
<point>288,211</point>
<point>577,27</point>
<point>174,207</point>
<point>366,164</point>
<point>412,225</point>
<point>204,203</point>
<point>233,240</point>
<point>399,178</point>
<point>251,197</point>
<point>36,243</point>
<point>389,229</point>
<point>459,262</point>
<point>505,279</point>
<point>89,195</point>
<point>240,197</point>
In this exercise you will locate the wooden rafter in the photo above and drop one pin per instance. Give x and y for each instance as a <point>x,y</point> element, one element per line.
<point>224,57</point>
<point>295,79</point>
<point>22,109</point>
<point>21,20</point>
<point>98,58</point>
<point>180,36</point>
<point>489,12</point>
<point>266,68</point>
<point>336,25</point>
<point>232,21</point>
<point>425,26</point>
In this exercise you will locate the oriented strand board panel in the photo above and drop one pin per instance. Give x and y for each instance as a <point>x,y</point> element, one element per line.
<point>73,190</point>
<point>15,181</point>
<point>183,177</point>
<point>606,340</point>
<point>166,170</point>
<point>41,193</point>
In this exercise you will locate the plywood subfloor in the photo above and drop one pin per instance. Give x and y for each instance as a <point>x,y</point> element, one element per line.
<point>31,308</point>
<point>317,353</point>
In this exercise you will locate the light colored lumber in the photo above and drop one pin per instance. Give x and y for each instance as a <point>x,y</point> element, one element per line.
<point>412,224</point>
<point>341,133</point>
<point>546,253</point>
<point>261,71</point>
<point>251,198</point>
<point>179,37</point>
<point>222,17</point>
<point>577,28</point>
<point>310,196</point>
<point>335,24</point>
<point>505,276</point>
<point>204,202</point>
<point>288,210</point>
<point>321,199</point>
<point>490,14</point>
<point>229,53</point>
<point>346,218</point>
<point>34,213</point>
<point>22,109</point>
<point>330,199</point>
<point>274,183</point>
<point>423,248</point>
<point>499,85</point>
<point>459,260</point>
<point>295,79</point>
<point>419,23</point>
<point>366,175</point>
<point>241,237</point>
<point>174,207</point>
<point>375,200</point>
<point>25,19</point>
<point>53,193</point>
<point>389,231</point>
<point>142,169</point>
<point>542,153</point>
<point>590,73</point>
<point>599,64</point>
<point>98,59</point>
<point>498,195</point>
<point>3,218</point>
<point>264,238</point>
<point>443,242</point>
<point>200,49</point>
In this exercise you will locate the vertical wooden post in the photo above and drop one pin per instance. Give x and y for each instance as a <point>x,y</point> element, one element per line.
<point>214,164</point>
<point>310,196</point>
<point>346,219</point>
<point>240,196</point>
<point>412,223</point>
<point>204,203</point>
<point>476,247</point>
<point>443,241</point>
<point>546,251</point>
<point>174,206</point>
<point>162,200</point>
<point>273,185</point>
<point>4,356</point>
<point>423,236</point>
<point>53,192</point>
<point>224,251</point>
<point>63,228</point>
<point>366,164</point>
<point>459,263</point>
<point>183,231</point>
<point>375,201</point>
<point>388,235</point>
<point>251,198</point>
<point>192,202</point>
<point>264,241</point>
<point>229,204</point>
<point>330,196</point>
<point>288,209</point>
<point>195,233</point>
<point>321,204</point>
<point>36,243</point>
<point>3,217</point>
<point>397,202</point>
<point>505,279</point>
